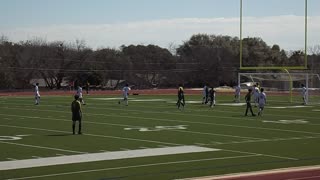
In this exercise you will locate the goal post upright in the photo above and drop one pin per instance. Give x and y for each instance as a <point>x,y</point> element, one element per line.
<point>291,84</point>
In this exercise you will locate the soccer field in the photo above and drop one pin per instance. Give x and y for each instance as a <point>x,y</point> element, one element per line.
<point>152,139</point>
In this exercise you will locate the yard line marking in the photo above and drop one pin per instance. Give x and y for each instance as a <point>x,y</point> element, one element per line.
<point>12,159</point>
<point>267,155</point>
<point>24,135</point>
<point>162,146</point>
<point>41,147</point>
<point>105,156</point>
<point>125,149</point>
<point>216,142</point>
<point>257,141</point>
<point>60,154</point>
<point>169,120</point>
<point>123,125</point>
<point>192,110</point>
<point>135,166</point>
<point>37,157</point>
<point>95,135</point>
<point>117,109</point>
<point>194,132</point>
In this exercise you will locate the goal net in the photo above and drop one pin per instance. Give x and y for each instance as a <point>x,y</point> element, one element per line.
<point>284,87</point>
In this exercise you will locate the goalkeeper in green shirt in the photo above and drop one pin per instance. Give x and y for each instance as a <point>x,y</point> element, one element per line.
<point>76,114</point>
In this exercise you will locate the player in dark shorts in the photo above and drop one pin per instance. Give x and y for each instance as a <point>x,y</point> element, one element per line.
<point>248,101</point>
<point>212,96</point>
<point>180,97</point>
<point>76,114</point>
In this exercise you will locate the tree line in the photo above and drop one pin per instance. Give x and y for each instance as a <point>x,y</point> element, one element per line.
<point>202,59</point>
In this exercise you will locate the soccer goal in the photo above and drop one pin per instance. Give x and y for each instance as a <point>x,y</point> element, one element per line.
<point>284,87</point>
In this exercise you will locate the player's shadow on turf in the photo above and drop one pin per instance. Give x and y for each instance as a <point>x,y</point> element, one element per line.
<point>58,135</point>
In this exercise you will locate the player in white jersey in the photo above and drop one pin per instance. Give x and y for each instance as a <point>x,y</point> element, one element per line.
<point>256,93</point>
<point>262,101</point>
<point>79,93</point>
<point>125,94</point>
<point>237,94</point>
<point>304,94</point>
<point>37,94</point>
<point>205,94</point>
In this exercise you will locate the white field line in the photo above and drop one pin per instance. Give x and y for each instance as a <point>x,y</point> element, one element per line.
<point>37,157</point>
<point>182,114</point>
<point>197,115</point>
<point>203,123</point>
<point>258,173</point>
<point>94,135</point>
<point>123,125</point>
<point>41,147</point>
<point>136,166</point>
<point>264,140</point>
<point>102,156</point>
<point>181,121</point>
<point>192,110</point>
<point>202,133</point>
<point>243,152</point>
<point>11,159</point>
<point>267,155</point>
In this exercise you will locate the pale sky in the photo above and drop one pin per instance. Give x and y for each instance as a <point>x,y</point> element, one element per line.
<point>112,23</point>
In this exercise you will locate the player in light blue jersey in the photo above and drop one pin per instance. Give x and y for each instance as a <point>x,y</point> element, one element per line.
<point>79,93</point>
<point>237,94</point>
<point>304,94</point>
<point>125,94</point>
<point>262,100</point>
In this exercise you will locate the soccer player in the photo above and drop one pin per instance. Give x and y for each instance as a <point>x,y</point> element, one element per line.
<point>181,100</point>
<point>304,94</point>
<point>248,101</point>
<point>125,93</point>
<point>237,93</point>
<point>76,114</point>
<point>256,93</point>
<point>79,93</point>
<point>262,101</point>
<point>37,94</point>
<point>212,95</point>
<point>205,94</point>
